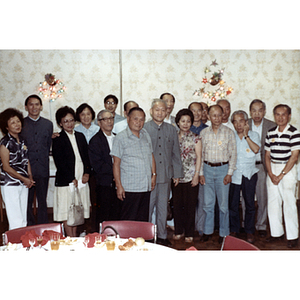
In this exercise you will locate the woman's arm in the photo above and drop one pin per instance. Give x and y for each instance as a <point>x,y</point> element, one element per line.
<point>198,151</point>
<point>4,155</point>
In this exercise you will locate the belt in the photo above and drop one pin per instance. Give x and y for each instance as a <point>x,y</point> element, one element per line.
<point>216,164</point>
<point>258,162</point>
<point>278,162</point>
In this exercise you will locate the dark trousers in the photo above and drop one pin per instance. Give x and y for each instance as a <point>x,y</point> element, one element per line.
<point>185,199</point>
<point>248,190</point>
<point>135,206</point>
<point>108,206</point>
<point>41,189</point>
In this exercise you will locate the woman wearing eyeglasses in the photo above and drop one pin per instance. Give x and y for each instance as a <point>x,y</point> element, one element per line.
<point>70,154</point>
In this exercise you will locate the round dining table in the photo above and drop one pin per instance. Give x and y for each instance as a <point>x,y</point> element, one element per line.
<point>78,244</point>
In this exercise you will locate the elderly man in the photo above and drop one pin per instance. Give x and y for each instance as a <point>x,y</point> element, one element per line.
<point>108,206</point>
<point>134,167</point>
<point>168,164</point>
<point>123,124</point>
<point>244,178</point>
<point>218,163</point>
<point>204,114</point>
<point>170,100</point>
<point>225,104</point>
<point>282,150</point>
<point>258,123</point>
<point>37,131</point>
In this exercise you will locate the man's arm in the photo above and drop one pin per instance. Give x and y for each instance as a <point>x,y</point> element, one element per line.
<point>117,176</point>
<point>153,177</point>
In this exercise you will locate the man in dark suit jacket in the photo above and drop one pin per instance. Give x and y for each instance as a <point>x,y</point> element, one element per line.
<point>108,205</point>
<point>261,125</point>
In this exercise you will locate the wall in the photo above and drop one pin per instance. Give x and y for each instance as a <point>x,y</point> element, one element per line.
<point>89,75</point>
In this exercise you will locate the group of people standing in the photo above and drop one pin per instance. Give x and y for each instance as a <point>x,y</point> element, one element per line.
<point>128,169</point>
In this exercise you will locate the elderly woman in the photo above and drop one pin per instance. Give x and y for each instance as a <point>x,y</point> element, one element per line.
<point>16,176</point>
<point>70,154</point>
<point>85,115</point>
<point>185,194</point>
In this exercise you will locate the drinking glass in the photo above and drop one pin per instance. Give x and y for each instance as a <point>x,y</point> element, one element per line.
<point>39,240</point>
<point>55,238</point>
<point>31,242</point>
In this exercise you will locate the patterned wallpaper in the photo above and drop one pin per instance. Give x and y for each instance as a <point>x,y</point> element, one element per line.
<point>89,75</point>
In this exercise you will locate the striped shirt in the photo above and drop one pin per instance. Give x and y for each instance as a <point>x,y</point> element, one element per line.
<point>220,147</point>
<point>281,144</point>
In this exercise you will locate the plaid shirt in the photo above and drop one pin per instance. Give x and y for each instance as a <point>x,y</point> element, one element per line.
<point>220,147</point>
<point>136,160</point>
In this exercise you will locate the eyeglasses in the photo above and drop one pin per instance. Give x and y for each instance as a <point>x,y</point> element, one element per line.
<point>110,102</point>
<point>106,119</point>
<point>68,121</point>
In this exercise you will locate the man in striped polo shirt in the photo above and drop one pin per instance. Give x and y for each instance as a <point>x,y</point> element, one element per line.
<point>282,149</point>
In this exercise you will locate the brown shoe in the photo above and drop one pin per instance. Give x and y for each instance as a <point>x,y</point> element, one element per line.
<point>250,238</point>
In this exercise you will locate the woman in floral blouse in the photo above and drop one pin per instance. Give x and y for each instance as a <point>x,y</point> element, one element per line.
<point>185,194</point>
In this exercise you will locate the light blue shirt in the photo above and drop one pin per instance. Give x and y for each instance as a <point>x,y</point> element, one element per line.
<point>245,165</point>
<point>88,133</point>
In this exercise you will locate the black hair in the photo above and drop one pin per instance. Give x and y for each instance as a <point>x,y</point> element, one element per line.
<point>161,96</point>
<point>82,107</point>
<point>62,112</point>
<point>289,110</point>
<point>35,97</point>
<point>184,112</point>
<point>6,115</point>
<point>111,97</point>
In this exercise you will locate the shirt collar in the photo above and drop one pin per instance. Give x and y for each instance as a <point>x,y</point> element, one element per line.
<point>34,119</point>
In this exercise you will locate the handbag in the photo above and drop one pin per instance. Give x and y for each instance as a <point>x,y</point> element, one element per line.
<point>75,212</point>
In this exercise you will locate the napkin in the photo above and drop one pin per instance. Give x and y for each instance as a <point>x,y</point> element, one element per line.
<point>25,238</point>
<point>92,238</point>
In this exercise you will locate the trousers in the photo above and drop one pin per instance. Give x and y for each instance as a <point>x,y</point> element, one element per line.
<point>159,199</point>
<point>283,195</point>
<point>214,187</point>
<point>15,199</point>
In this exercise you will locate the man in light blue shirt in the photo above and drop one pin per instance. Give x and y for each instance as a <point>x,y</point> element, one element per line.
<point>245,176</point>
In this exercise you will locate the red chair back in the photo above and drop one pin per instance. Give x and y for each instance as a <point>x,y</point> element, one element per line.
<point>14,235</point>
<point>127,229</point>
<point>233,243</point>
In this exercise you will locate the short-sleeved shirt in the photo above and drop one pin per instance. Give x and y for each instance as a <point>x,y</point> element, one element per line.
<point>136,160</point>
<point>18,160</point>
<point>220,147</point>
<point>281,144</point>
<point>246,158</point>
<point>188,155</point>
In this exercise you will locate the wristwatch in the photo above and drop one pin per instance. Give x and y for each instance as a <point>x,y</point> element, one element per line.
<point>283,173</point>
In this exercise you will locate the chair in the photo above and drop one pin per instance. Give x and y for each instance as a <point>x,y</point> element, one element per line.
<point>14,235</point>
<point>127,229</point>
<point>233,243</point>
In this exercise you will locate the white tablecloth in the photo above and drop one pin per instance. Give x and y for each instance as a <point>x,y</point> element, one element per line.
<point>78,245</point>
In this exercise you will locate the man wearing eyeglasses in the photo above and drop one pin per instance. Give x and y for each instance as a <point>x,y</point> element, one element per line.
<point>108,205</point>
<point>110,104</point>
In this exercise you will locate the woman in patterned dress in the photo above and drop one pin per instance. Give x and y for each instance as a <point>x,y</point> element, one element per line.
<point>185,194</point>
